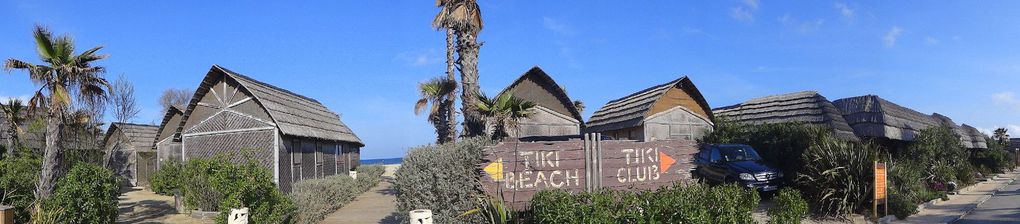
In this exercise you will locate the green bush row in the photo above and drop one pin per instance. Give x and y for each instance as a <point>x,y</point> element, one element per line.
<point>216,184</point>
<point>443,178</point>
<point>689,204</point>
<point>18,177</point>
<point>317,198</point>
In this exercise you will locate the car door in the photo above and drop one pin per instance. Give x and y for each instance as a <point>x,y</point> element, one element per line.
<point>715,171</point>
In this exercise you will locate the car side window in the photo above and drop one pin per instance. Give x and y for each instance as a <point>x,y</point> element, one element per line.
<point>715,157</point>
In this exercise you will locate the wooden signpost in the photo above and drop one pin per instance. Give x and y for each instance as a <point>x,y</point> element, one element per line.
<point>881,187</point>
<point>515,171</point>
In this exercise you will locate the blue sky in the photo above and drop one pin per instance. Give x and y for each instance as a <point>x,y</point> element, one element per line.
<point>363,59</point>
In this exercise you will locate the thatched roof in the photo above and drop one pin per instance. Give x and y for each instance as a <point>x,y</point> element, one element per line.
<point>561,104</point>
<point>807,107</point>
<point>976,137</point>
<point>1014,144</point>
<point>138,135</point>
<point>872,116</point>
<point>631,110</point>
<point>174,110</point>
<point>294,114</point>
<point>965,137</point>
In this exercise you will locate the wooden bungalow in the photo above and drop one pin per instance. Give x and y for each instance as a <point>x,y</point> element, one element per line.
<point>167,142</point>
<point>977,138</point>
<point>247,120</point>
<point>807,107</point>
<point>873,117</point>
<point>554,113</point>
<point>673,110</point>
<point>130,151</point>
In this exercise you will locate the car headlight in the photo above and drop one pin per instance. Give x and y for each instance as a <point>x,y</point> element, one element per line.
<point>746,176</point>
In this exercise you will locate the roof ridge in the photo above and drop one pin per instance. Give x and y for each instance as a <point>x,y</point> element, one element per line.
<point>256,81</point>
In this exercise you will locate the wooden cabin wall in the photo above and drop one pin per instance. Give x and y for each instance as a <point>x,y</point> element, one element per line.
<point>676,124</point>
<point>546,122</point>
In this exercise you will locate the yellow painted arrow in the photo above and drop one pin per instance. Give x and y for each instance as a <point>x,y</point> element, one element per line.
<point>495,170</point>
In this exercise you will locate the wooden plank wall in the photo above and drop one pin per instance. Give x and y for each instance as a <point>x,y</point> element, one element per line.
<point>515,171</point>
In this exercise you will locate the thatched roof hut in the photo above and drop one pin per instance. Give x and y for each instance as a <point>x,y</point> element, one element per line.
<point>554,113</point>
<point>808,107</point>
<point>977,138</point>
<point>168,140</point>
<point>294,136</point>
<point>123,143</point>
<point>873,117</point>
<point>672,110</point>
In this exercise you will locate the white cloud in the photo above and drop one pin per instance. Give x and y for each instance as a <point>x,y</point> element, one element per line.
<point>420,57</point>
<point>1013,130</point>
<point>745,11</point>
<point>931,41</point>
<point>845,10</point>
<point>803,27</point>
<point>1006,99</point>
<point>557,27</point>
<point>890,37</point>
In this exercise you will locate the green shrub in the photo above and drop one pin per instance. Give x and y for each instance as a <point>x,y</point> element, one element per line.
<point>167,179</point>
<point>902,206</point>
<point>18,176</point>
<point>317,198</point>
<point>790,207</point>
<point>990,161</point>
<point>939,150</point>
<point>837,176</point>
<point>87,194</point>
<point>443,178</point>
<point>780,145</point>
<point>729,204</point>
<point>200,186</point>
<point>251,186</point>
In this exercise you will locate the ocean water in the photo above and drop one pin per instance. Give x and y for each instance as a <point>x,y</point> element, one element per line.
<point>389,161</point>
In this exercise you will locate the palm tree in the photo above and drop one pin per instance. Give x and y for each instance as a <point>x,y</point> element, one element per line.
<point>465,19</point>
<point>437,92</point>
<point>64,78</point>
<point>12,112</point>
<point>579,105</point>
<point>1002,136</point>
<point>505,111</point>
<point>444,21</point>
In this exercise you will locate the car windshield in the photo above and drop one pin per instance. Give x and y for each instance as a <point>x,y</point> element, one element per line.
<point>738,153</point>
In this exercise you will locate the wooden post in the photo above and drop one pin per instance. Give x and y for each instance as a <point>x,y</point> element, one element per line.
<point>874,201</point>
<point>6,214</point>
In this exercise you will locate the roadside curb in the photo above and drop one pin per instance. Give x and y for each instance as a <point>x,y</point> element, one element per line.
<point>970,209</point>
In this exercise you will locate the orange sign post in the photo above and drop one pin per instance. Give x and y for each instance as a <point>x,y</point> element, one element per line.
<point>881,186</point>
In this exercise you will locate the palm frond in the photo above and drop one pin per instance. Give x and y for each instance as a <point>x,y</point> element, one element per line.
<point>44,43</point>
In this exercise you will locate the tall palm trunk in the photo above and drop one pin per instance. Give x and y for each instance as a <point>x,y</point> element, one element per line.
<point>467,49</point>
<point>451,100</point>
<point>52,156</point>
<point>440,121</point>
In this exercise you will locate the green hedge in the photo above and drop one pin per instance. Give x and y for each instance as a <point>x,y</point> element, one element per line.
<point>790,207</point>
<point>87,194</point>
<point>167,179</point>
<point>216,184</point>
<point>317,198</point>
<point>18,177</point>
<point>690,204</point>
<point>781,145</point>
<point>443,178</point>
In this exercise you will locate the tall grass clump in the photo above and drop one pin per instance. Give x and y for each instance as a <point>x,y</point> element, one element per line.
<point>444,178</point>
<point>316,198</point>
<point>837,176</point>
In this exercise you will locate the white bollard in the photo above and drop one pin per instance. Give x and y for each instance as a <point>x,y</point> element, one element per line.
<point>238,216</point>
<point>421,216</point>
<point>354,174</point>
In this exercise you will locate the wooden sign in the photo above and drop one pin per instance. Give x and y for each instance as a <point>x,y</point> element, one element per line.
<point>881,187</point>
<point>515,171</point>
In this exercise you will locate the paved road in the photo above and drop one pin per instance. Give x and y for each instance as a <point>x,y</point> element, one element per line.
<point>1004,207</point>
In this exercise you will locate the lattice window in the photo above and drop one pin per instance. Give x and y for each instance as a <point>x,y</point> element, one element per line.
<point>319,169</point>
<point>295,158</point>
